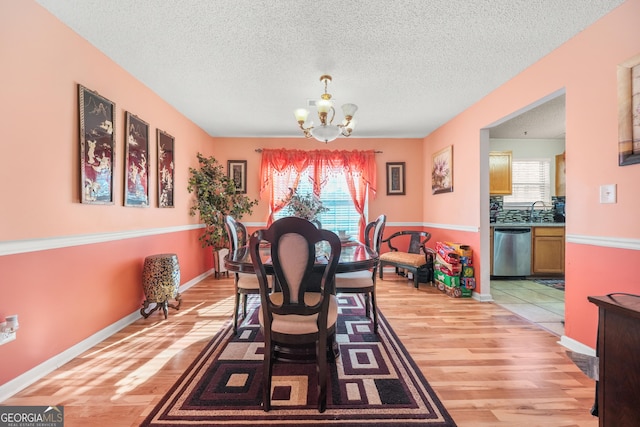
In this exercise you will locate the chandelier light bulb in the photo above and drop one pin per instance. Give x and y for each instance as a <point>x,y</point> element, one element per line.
<point>324,105</point>
<point>301,114</point>
<point>349,110</point>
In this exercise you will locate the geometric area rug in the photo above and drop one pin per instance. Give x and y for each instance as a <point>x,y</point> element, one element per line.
<point>374,382</point>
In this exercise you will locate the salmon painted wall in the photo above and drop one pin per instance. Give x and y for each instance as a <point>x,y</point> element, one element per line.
<point>70,269</point>
<point>41,70</point>
<point>602,239</point>
<point>66,295</point>
<point>400,210</point>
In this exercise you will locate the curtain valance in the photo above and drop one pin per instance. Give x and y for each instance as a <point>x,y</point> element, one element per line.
<point>355,162</point>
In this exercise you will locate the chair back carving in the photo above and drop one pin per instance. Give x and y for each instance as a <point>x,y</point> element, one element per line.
<point>245,283</point>
<point>296,246</point>
<point>375,241</point>
<point>237,233</point>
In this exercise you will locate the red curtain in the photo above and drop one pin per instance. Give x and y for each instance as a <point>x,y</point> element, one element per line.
<point>358,167</point>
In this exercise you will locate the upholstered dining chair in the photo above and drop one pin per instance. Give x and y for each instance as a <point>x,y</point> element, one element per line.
<point>300,312</point>
<point>245,283</point>
<point>364,282</point>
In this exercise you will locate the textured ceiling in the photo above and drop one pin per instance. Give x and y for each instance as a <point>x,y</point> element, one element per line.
<point>240,67</point>
<point>544,121</point>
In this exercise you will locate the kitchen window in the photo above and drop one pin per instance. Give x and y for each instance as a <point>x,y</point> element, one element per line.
<point>531,182</point>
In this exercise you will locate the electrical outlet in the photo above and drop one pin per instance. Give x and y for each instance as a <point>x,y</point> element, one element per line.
<point>608,193</point>
<point>5,337</point>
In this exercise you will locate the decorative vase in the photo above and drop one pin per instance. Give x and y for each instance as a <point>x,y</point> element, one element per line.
<point>160,281</point>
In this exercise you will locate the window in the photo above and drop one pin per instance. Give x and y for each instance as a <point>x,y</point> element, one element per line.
<point>343,179</point>
<point>342,214</point>
<point>531,181</point>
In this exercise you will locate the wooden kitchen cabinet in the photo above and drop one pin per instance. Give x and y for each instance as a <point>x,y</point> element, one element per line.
<point>500,172</point>
<point>547,250</point>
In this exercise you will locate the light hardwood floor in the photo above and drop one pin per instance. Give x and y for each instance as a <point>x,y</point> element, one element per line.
<point>489,366</point>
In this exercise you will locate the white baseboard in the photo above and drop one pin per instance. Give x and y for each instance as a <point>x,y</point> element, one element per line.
<point>482,297</point>
<point>576,346</point>
<point>19,383</point>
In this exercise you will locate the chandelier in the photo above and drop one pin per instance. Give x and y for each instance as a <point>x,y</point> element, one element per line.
<point>327,131</point>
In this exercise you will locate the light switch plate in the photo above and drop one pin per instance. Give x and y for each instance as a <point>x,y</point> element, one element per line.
<point>608,193</point>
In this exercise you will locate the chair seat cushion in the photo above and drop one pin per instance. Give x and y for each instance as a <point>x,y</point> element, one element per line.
<point>248,281</point>
<point>294,324</point>
<point>356,280</point>
<point>405,258</point>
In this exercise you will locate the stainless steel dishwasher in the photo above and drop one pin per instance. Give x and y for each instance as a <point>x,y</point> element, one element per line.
<point>512,252</point>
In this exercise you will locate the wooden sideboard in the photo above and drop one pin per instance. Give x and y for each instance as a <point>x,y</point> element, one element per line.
<point>619,365</point>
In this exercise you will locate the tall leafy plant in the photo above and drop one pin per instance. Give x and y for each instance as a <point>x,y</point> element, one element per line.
<point>216,198</point>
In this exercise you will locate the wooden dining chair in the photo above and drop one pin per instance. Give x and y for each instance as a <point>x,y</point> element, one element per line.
<point>364,282</point>
<point>292,317</point>
<point>245,283</point>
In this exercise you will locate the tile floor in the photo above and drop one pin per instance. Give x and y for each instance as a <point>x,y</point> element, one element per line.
<point>538,303</point>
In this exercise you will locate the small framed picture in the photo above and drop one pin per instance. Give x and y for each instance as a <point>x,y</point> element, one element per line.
<point>237,170</point>
<point>136,162</point>
<point>97,147</point>
<point>395,179</point>
<point>166,168</point>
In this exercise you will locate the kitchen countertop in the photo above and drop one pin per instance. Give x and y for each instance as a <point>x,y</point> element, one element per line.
<point>526,224</point>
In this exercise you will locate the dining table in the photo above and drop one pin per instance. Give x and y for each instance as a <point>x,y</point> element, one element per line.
<point>354,256</point>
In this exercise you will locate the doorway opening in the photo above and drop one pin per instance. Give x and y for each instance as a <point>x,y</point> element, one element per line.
<point>534,132</point>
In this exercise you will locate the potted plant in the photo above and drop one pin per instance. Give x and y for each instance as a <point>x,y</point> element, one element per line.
<point>216,197</point>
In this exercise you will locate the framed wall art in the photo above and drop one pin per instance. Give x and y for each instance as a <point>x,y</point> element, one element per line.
<point>97,147</point>
<point>442,171</point>
<point>166,168</point>
<point>237,170</point>
<point>395,179</point>
<point>629,112</point>
<point>136,162</point>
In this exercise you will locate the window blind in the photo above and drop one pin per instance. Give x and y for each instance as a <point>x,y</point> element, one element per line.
<point>531,181</point>
<point>342,214</point>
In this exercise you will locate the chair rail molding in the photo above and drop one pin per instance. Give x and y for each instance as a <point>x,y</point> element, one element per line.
<point>13,247</point>
<point>609,242</point>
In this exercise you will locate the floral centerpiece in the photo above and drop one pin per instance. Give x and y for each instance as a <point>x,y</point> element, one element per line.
<point>307,206</point>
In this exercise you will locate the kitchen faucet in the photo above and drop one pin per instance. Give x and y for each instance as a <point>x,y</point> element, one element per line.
<point>531,217</point>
